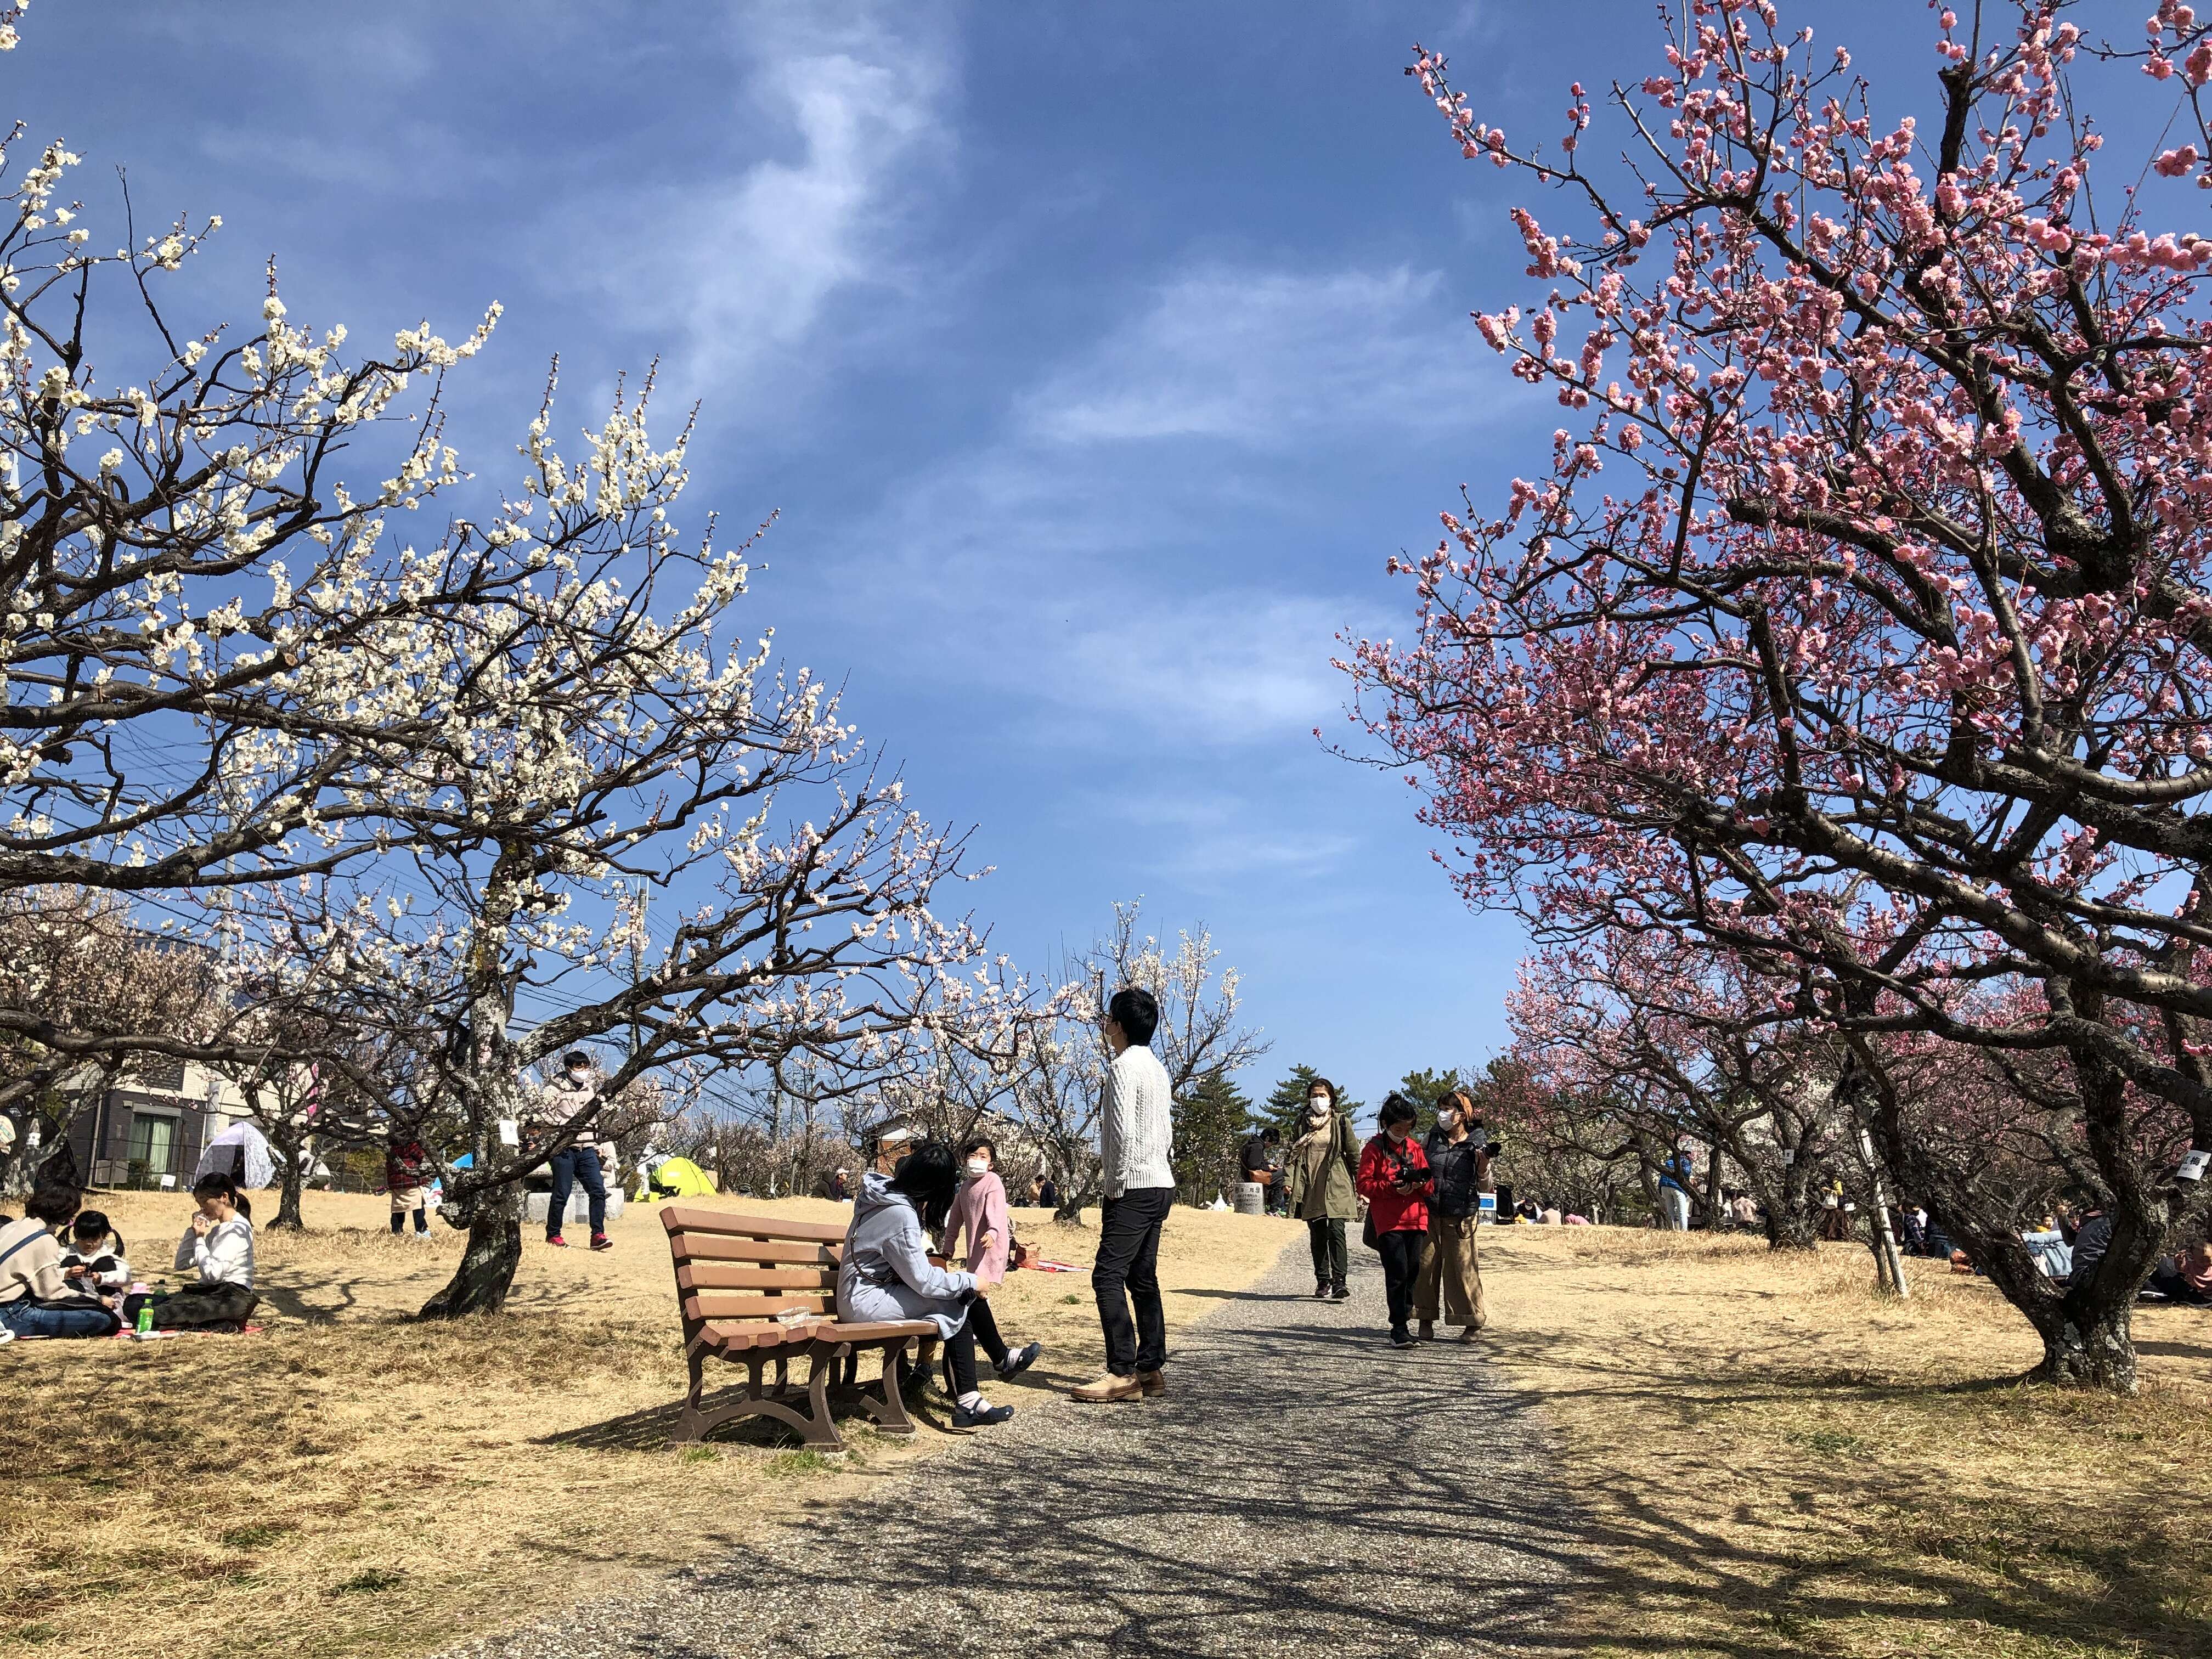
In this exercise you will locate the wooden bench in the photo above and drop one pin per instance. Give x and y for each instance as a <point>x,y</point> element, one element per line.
<point>734,1275</point>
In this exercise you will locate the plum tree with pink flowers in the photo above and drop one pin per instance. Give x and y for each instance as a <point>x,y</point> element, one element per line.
<point>1862,617</point>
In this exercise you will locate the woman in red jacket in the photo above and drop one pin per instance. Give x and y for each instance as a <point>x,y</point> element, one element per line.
<point>1394,1179</point>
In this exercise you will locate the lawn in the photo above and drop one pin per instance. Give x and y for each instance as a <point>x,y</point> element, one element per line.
<point>1777,1461</point>
<point>348,1482</point>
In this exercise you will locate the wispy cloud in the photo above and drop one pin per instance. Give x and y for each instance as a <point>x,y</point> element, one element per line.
<point>1101,586</point>
<point>837,111</point>
<point>1262,359</point>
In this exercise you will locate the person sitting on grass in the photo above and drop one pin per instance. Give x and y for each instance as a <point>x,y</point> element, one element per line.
<point>886,1273</point>
<point>217,1247</point>
<point>93,1261</point>
<point>2185,1277</point>
<point>979,1213</point>
<point>35,1298</point>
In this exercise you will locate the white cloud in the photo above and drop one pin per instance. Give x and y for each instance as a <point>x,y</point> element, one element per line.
<point>838,111</point>
<point>1261,359</point>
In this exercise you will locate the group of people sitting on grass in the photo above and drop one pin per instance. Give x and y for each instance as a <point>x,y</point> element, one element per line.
<point>2068,1244</point>
<point>64,1272</point>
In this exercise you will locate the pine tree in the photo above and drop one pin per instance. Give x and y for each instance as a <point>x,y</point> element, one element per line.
<point>1211,1121</point>
<point>1424,1090</point>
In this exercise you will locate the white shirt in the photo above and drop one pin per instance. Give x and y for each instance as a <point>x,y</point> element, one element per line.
<point>1136,1124</point>
<point>224,1256</point>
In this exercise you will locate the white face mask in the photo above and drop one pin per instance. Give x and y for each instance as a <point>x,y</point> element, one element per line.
<point>578,1074</point>
<point>977,1166</point>
<point>1318,1106</point>
<point>1446,1121</point>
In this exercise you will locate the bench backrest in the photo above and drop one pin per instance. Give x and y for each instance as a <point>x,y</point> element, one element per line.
<point>735,1268</point>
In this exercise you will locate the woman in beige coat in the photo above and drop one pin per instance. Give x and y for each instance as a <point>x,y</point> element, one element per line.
<point>1323,1160</point>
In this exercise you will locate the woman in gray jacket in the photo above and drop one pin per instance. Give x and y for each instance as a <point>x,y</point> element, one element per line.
<point>886,1273</point>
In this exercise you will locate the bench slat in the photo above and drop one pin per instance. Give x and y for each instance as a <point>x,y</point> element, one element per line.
<point>741,1338</point>
<point>716,1276</point>
<point>715,1246</point>
<point>684,1218</point>
<point>710,1305</point>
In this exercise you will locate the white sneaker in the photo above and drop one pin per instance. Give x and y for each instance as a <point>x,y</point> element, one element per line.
<point>6,1336</point>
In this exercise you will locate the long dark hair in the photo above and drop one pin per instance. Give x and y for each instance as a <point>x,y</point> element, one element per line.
<point>928,1174</point>
<point>212,1185</point>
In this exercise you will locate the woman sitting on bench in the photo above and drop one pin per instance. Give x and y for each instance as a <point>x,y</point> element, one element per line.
<point>886,1273</point>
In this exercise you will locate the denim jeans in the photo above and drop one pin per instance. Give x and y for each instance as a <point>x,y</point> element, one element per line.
<point>1129,1258</point>
<point>578,1164</point>
<point>23,1317</point>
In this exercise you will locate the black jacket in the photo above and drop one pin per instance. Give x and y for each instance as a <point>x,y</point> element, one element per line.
<point>1460,1172</point>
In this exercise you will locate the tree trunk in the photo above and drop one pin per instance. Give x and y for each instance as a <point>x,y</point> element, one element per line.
<point>1790,1226</point>
<point>296,1181</point>
<point>2088,1348</point>
<point>481,1283</point>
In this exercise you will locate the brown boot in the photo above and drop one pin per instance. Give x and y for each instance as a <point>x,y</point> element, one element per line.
<point>1467,1335</point>
<point>1428,1331</point>
<point>1109,1386</point>
<point>1152,1383</point>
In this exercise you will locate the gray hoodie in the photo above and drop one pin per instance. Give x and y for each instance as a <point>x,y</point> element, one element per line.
<point>886,1273</point>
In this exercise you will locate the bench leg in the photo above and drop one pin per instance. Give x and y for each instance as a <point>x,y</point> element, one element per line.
<point>815,1426</point>
<point>886,1405</point>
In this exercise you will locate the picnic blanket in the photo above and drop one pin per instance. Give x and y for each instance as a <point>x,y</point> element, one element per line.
<point>135,1336</point>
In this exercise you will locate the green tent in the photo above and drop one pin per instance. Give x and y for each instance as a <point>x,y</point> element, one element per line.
<point>675,1177</point>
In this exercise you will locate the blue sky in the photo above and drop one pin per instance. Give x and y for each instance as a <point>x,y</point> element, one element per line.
<point>1095,358</point>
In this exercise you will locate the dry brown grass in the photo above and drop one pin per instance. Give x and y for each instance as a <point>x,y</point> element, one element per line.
<point>351,1483</point>
<point>1777,1460</point>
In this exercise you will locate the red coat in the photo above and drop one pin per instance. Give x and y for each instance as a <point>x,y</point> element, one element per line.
<point>1393,1210</point>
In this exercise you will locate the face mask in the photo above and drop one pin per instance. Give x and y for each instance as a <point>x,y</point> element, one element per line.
<point>1318,1106</point>
<point>1447,1120</point>
<point>976,1166</point>
<point>577,1074</point>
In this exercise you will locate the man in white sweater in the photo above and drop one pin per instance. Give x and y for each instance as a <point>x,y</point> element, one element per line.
<point>1136,1131</point>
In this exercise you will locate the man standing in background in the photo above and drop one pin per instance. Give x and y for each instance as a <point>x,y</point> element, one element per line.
<point>566,1098</point>
<point>1675,1174</point>
<point>1135,1142</point>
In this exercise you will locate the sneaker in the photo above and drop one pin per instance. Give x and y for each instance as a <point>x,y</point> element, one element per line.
<point>1152,1383</point>
<point>1321,1292</point>
<point>1341,1293</point>
<point>1401,1338</point>
<point>1109,1386</point>
<point>556,1238</point>
<point>6,1336</point>
<point>1019,1361</point>
<point>601,1242</point>
<point>964,1419</point>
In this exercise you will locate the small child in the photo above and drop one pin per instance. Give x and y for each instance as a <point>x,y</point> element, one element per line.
<point>93,1262</point>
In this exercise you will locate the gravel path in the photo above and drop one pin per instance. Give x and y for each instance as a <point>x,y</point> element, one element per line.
<point>1302,1488</point>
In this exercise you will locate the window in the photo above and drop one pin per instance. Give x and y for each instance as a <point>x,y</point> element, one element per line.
<point>153,1142</point>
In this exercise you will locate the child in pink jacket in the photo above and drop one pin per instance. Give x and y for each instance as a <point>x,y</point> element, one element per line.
<point>979,1212</point>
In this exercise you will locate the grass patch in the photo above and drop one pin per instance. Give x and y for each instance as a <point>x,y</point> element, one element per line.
<point>376,1578</point>
<point>1776,1460</point>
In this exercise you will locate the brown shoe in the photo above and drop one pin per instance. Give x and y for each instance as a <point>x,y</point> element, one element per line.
<point>1109,1386</point>
<point>1428,1331</point>
<point>1467,1335</point>
<point>1152,1383</point>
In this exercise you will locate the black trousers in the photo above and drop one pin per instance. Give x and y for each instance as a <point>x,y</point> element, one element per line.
<point>985,1325</point>
<point>1128,1259</point>
<point>1401,1266</point>
<point>2164,1278</point>
<point>1331,1263</point>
